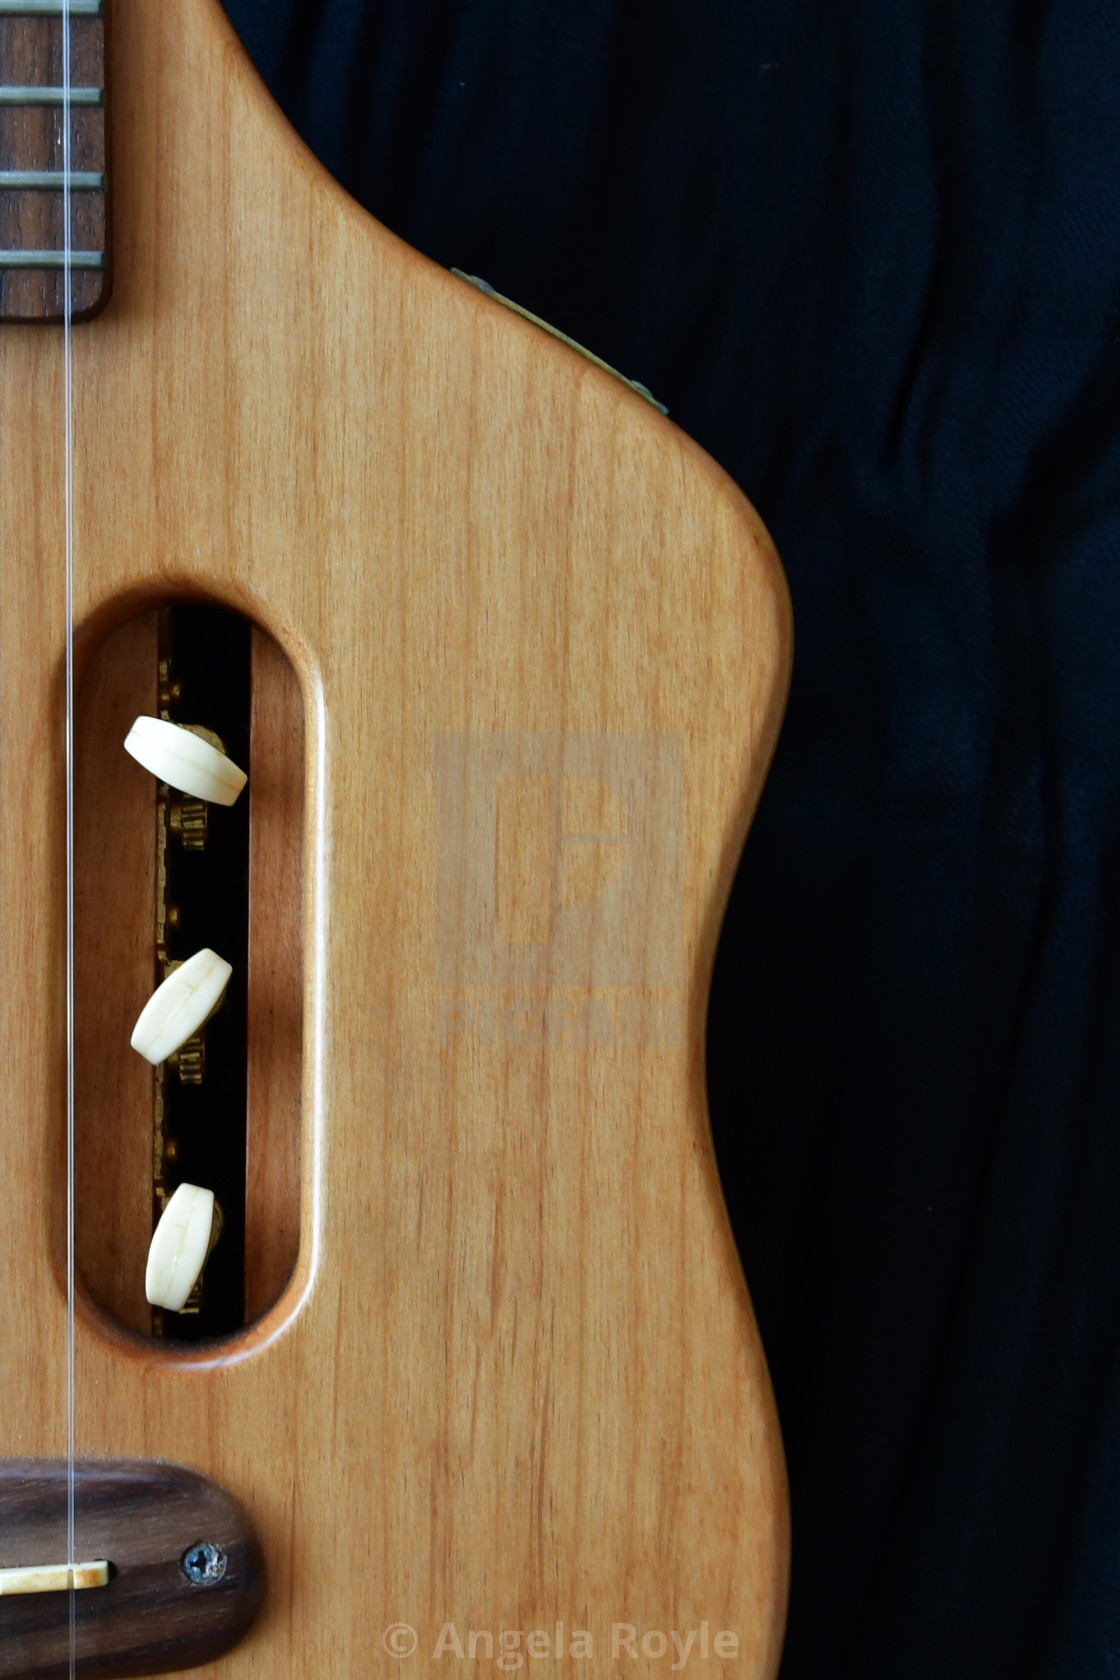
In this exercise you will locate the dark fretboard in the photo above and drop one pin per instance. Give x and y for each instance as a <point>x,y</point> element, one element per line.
<point>32,178</point>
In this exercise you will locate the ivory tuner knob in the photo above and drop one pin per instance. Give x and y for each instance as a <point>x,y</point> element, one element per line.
<point>178,1007</point>
<point>186,1233</point>
<point>184,760</point>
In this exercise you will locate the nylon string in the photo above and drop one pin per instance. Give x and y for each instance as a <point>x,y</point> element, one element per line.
<point>68,515</point>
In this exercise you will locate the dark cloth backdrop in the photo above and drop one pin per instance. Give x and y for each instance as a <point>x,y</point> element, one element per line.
<point>868,251</point>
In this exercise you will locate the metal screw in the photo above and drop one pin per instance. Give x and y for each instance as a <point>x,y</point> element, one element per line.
<point>203,1563</point>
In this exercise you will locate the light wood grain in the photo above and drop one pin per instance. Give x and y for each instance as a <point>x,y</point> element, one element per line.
<point>114,944</point>
<point>515,1378</point>
<point>277,758</point>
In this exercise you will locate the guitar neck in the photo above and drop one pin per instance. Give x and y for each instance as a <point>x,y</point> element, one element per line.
<point>541,645</point>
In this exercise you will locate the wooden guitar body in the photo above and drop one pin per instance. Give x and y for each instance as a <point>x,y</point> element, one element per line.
<point>515,1379</point>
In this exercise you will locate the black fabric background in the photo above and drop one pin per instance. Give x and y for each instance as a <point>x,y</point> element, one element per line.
<point>868,251</point>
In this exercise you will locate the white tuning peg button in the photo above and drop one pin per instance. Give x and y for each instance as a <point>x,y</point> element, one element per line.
<point>188,1228</point>
<point>184,760</point>
<point>178,1007</point>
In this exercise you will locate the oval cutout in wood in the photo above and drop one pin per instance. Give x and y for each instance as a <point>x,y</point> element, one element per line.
<point>127,927</point>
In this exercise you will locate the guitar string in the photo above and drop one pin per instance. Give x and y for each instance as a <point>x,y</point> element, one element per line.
<point>68,516</point>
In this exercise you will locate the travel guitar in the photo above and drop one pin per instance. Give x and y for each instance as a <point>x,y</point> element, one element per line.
<point>471,1376</point>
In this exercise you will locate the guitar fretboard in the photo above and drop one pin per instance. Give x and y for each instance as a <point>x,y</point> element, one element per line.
<point>32,164</point>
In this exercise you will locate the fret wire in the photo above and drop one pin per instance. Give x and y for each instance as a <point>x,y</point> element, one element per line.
<point>81,180</point>
<point>51,96</point>
<point>51,8</point>
<point>51,259</point>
